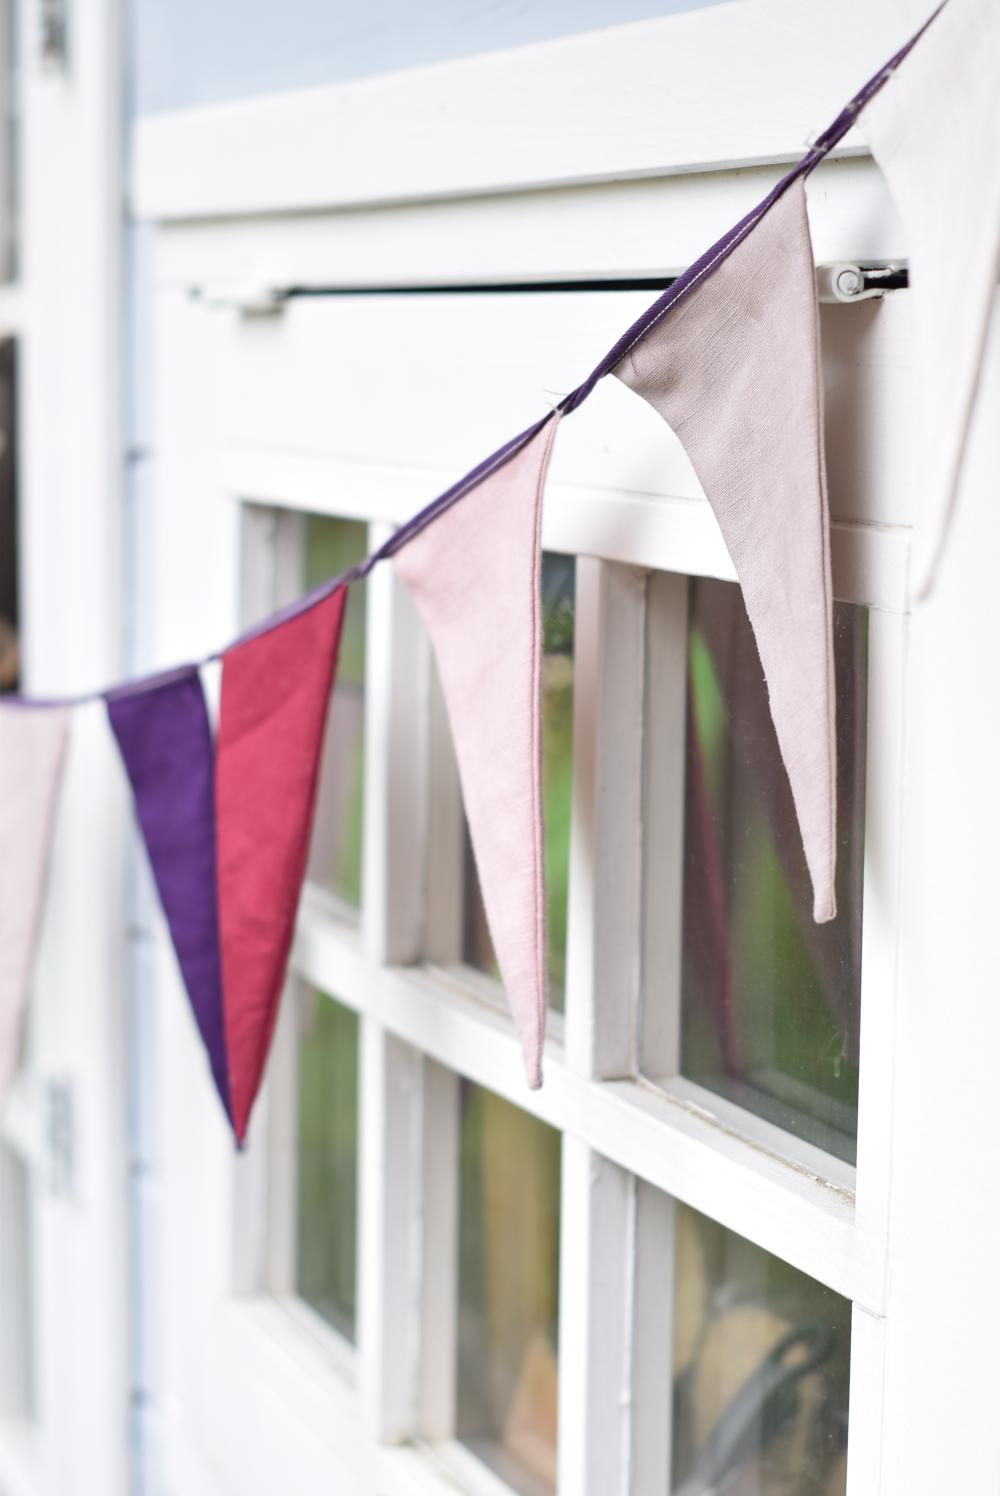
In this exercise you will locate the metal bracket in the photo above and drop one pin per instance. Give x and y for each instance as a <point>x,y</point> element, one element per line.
<point>249,298</point>
<point>846,281</point>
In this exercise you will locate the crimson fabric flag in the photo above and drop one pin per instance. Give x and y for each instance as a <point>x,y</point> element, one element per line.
<point>32,750</point>
<point>165,740</point>
<point>474,574</point>
<point>275,692</point>
<point>734,371</point>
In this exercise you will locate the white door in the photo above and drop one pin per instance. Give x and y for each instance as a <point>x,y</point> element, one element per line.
<point>63,1153</point>
<point>737,1242</point>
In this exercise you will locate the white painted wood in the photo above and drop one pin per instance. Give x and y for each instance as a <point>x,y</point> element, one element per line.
<point>65,313</point>
<point>673,1144</point>
<point>603,955</point>
<point>660,225</point>
<point>389,1254</point>
<point>652,1328</point>
<point>396,770</point>
<point>867,1404</point>
<point>585,108</point>
<point>594,1293</point>
<point>284,381</point>
<point>445,894</point>
<point>439,1260</point>
<point>944,1217</point>
<point>664,753</point>
<point>657,530</point>
<point>880,974</point>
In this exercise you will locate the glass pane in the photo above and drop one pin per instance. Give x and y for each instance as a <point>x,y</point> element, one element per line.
<point>508,1287</point>
<point>770,1001</point>
<point>332,546</point>
<point>558,614</point>
<point>326,1267</point>
<point>761,1371</point>
<point>17,1372</point>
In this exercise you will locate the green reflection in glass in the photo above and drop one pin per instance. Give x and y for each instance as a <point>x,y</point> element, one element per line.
<point>761,1371</point>
<point>558,624</point>
<point>771,1001</point>
<point>332,546</point>
<point>327,1223</point>
<point>507,1369</point>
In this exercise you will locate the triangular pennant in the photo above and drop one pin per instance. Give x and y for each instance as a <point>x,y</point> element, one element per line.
<point>32,749</point>
<point>275,692</point>
<point>165,739</point>
<point>934,129</point>
<point>734,370</point>
<point>474,575</point>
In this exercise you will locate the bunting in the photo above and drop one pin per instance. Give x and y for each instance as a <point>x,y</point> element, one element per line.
<point>935,132</point>
<point>475,578</point>
<point>275,692</point>
<point>734,370</point>
<point>32,750</point>
<point>728,356</point>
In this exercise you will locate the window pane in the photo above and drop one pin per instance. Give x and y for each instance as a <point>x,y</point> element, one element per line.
<point>328,1161</point>
<point>507,1372</point>
<point>770,1001</point>
<point>332,546</point>
<point>761,1371</point>
<point>558,614</point>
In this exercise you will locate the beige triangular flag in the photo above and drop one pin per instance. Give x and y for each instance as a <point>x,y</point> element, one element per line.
<point>474,574</point>
<point>934,129</point>
<point>734,370</point>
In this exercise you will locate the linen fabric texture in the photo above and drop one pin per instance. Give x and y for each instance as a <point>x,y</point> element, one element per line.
<point>734,371</point>
<point>165,739</point>
<point>474,575</point>
<point>272,718</point>
<point>934,129</point>
<point>32,752</point>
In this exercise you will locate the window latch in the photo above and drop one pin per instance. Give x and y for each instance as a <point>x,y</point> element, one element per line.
<point>248,298</point>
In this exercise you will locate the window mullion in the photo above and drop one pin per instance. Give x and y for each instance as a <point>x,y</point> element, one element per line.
<point>887,634</point>
<point>650,1355</point>
<point>604,885</point>
<point>439,1251</point>
<point>663,823</point>
<point>397,727</point>
<point>388,1233</point>
<point>396,734</point>
<point>867,1403</point>
<point>594,1316</point>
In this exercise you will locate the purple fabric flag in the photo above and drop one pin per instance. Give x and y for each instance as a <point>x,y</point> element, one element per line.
<point>166,744</point>
<point>734,370</point>
<point>32,749</point>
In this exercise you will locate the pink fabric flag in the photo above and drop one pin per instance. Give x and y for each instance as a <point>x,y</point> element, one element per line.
<point>934,129</point>
<point>734,370</point>
<point>474,575</point>
<point>272,717</point>
<point>32,749</point>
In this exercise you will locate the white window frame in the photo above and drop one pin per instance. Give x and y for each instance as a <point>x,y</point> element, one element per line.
<point>66,1118</point>
<point>275,1392</point>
